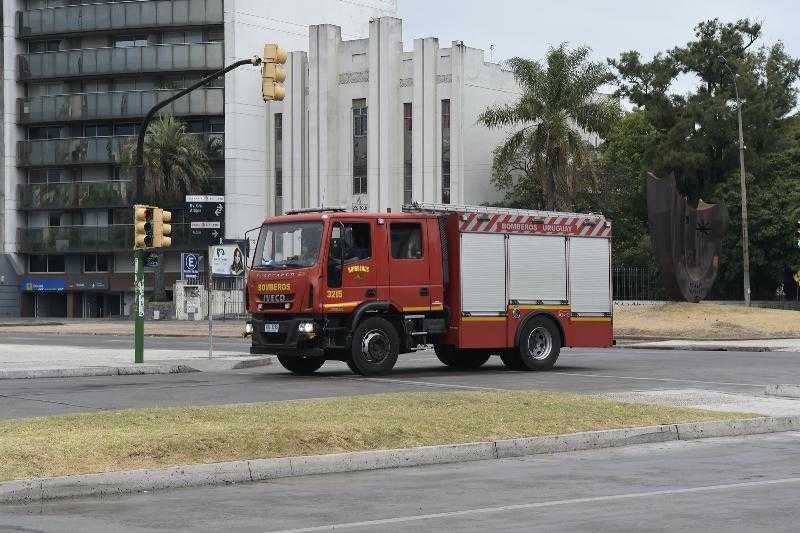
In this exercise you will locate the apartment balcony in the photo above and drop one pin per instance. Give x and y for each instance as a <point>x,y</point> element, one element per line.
<point>82,239</point>
<point>110,61</point>
<point>75,195</point>
<point>94,150</point>
<point>108,17</point>
<point>117,105</point>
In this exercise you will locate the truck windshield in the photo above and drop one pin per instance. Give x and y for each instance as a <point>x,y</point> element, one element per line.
<point>288,245</point>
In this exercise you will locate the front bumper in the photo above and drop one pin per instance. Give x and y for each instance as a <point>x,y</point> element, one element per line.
<point>288,341</point>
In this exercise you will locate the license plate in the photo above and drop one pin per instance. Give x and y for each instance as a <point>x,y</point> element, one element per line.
<point>272,328</point>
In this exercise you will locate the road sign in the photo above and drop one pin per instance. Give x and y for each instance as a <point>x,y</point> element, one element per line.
<point>190,265</point>
<point>206,216</point>
<point>226,260</point>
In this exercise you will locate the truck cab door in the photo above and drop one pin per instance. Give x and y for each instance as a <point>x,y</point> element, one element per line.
<point>351,272</point>
<point>409,270</point>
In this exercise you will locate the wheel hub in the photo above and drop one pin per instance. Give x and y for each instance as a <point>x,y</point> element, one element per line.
<point>540,343</point>
<point>376,346</point>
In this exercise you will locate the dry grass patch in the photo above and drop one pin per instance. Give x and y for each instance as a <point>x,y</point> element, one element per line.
<point>706,321</point>
<point>124,440</point>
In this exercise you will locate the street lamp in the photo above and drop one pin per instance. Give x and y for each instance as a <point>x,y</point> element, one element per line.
<point>743,174</point>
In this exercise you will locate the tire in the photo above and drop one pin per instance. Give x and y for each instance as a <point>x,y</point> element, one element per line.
<point>511,360</point>
<point>375,348</point>
<point>461,359</point>
<point>301,367</point>
<point>539,344</point>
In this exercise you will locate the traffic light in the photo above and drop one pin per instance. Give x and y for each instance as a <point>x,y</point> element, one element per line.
<point>272,74</point>
<point>162,230</point>
<point>142,227</point>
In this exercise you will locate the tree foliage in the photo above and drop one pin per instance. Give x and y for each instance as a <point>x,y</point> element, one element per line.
<point>540,163</point>
<point>176,162</point>
<point>695,137</point>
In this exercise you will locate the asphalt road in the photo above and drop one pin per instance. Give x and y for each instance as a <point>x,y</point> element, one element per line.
<point>725,485</point>
<point>582,371</point>
<point>122,341</point>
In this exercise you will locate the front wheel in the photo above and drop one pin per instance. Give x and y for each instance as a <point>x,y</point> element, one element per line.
<point>301,367</point>
<point>375,348</point>
<point>539,344</point>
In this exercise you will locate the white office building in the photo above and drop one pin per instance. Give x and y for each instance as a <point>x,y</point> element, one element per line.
<point>369,125</point>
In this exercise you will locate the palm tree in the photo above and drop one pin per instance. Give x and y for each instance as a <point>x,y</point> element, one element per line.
<point>559,106</point>
<point>176,164</point>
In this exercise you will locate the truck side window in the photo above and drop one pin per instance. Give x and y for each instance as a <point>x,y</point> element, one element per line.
<point>406,241</point>
<point>361,248</point>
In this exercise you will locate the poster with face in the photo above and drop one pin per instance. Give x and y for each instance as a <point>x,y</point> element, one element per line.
<point>227,260</point>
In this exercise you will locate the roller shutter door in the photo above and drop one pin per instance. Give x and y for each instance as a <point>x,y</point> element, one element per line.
<point>537,268</point>
<point>589,283</point>
<point>483,273</point>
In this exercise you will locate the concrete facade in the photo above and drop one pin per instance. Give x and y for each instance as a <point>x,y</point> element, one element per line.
<point>405,94</point>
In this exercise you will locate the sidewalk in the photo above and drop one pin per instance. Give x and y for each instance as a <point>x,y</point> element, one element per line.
<point>763,345</point>
<point>21,361</point>
<point>161,328</point>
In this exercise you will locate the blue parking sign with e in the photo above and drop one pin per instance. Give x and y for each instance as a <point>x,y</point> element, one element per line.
<point>190,265</point>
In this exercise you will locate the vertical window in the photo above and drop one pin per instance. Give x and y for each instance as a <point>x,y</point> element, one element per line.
<point>278,163</point>
<point>445,151</point>
<point>359,146</point>
<point>408,129</point>
<point>406,240</point>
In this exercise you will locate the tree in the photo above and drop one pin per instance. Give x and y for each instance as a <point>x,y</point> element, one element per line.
<point>695,137</point>
<point>176,163</point>
<point>559,106</point>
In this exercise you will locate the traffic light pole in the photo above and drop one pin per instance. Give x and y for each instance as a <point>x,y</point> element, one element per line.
<point>255,61</point>
<point>138,336</point>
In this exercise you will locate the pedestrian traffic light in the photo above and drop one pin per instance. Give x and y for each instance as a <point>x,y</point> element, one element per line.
<point>162,230</point>
<point>142,227</point>
<point>272,74</point>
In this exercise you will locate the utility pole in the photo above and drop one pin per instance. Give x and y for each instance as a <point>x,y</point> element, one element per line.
<point>743,177</point>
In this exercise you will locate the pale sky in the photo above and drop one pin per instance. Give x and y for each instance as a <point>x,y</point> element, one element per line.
<point>527,27</point>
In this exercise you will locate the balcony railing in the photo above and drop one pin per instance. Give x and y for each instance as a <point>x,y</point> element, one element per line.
<point>77,239</point>
<point>132,60</point>
<point>75,195</point>
<point>118,16</point>
<point>94,150</point>
<point>114,105</point>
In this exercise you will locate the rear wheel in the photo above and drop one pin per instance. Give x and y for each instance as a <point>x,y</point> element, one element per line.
<point>539,344</point>
<point>375,348</point>
<point>301,367</point>
<point>463,359</point>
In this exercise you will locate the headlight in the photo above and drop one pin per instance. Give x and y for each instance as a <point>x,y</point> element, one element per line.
<point>305,327</point>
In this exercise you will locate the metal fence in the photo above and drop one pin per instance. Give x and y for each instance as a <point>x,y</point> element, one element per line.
<point>227,298</point>
<point>637,283</point>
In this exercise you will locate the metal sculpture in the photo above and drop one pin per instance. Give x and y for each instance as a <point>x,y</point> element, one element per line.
<point>687,241</point>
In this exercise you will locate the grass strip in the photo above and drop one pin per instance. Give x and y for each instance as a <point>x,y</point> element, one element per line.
<point>149,438</point>
<point>706,321</point>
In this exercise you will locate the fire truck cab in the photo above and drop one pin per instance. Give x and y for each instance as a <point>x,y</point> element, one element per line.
<point>472,282</point>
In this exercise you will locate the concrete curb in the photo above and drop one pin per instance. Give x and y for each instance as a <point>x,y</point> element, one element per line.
<point>90,371</point>
<point>784,391</point>
<point>700,348</point>
<point>245,471</point>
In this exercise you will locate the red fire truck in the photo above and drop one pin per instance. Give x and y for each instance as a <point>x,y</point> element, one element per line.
<point>362,288</point>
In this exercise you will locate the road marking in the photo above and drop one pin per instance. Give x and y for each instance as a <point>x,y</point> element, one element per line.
<point>557,372</point>
<point>539,505</point>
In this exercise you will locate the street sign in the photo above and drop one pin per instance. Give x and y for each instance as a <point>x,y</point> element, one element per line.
<point>227,260</point>
<point>190,266</point>
<point>206,217</point>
